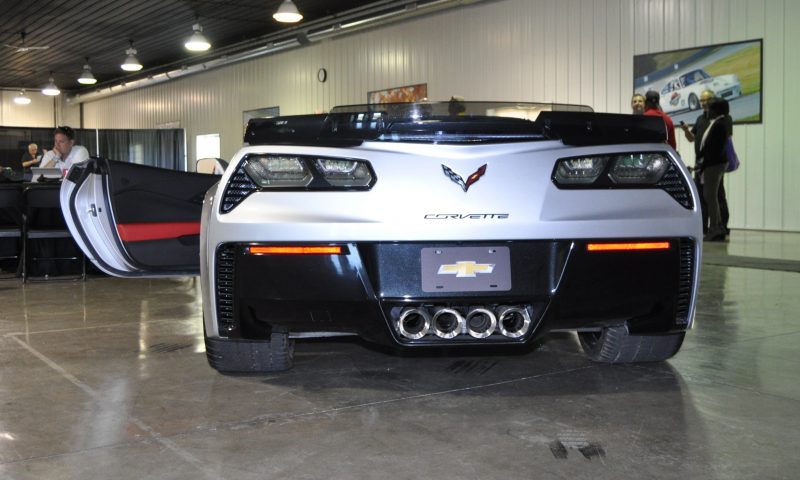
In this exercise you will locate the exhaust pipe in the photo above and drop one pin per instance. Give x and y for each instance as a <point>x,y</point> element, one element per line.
<point>513,322</point>
<point>447,323</point>
<point>481,322</point>
<point>414,323</point>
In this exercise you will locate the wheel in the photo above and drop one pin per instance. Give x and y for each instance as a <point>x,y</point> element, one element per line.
<point>694,103</point>
<point>251,356</point>
<point>616,345</point>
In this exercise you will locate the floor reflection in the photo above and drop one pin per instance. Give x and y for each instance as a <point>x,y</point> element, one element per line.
<point>108,378</point>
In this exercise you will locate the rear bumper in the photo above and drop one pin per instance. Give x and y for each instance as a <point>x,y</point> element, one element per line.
<point>560,285</point>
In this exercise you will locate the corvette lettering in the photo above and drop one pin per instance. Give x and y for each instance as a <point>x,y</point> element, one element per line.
<point>467,216</point>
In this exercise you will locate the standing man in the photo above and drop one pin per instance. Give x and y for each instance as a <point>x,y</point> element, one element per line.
<point>64,153</point>
<point>637,104</point>
<point>653,109</point>
<point>695,134</point>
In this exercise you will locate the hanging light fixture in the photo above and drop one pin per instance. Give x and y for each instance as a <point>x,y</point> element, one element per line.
<point>131,63</point>
<point>287,13</point>
<point>86,77</point>
<point>51,89</point>
<point>197,42</point>
<point>22,99</point>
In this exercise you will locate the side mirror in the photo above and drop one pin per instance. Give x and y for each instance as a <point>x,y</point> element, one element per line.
<point>211,166</point>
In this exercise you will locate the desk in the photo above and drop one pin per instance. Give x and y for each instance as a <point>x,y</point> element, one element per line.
<point>11,226</point>
<point>47,248</point>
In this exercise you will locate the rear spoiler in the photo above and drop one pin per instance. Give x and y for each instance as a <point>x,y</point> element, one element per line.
<point>353,128</point>
<point>587,128</point>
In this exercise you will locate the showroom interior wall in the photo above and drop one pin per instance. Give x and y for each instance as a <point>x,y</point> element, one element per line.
<point>577,51</point>
<point>39,113</point>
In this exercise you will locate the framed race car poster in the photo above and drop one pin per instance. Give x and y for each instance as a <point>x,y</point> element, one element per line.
<point>732,71</point>
<point>406,94</point>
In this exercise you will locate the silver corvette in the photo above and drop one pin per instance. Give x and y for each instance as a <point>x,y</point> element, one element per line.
<point>416,226</point>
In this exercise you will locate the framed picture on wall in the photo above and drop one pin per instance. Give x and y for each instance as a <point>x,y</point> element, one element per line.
<point>733,71</point>
<point>406,94</point>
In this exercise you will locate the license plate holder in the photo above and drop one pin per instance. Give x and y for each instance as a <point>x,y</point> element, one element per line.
<point>466,269</point>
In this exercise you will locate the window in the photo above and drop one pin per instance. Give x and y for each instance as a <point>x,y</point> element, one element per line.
<point>207,146</point>
<point>136,153</point>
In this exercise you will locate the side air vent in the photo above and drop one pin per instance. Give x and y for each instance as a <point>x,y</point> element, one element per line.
<point>225,265</point>
<point>238,188</point>
<point>685,281</point>
<point>673,183</point>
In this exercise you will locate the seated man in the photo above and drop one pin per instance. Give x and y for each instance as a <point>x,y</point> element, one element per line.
<point>64,153</point>
<point>31,157</point>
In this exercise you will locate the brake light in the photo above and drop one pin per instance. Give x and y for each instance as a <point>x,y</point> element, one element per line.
<point>630,169</point>
<point>617,247</point>
<point>296,250</point>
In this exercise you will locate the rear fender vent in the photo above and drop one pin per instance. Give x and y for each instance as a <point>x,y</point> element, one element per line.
<point>225,274</point>
<point>675,184</point>
<point>238,188</point>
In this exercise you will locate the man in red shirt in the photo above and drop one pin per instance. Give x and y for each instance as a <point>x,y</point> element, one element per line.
<point>652,108</point>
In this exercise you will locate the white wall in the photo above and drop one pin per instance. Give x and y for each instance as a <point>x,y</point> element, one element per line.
<point>576,51</point>
<point>38,113</point>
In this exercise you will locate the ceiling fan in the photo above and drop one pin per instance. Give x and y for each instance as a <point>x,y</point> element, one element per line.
<point>22,48</point>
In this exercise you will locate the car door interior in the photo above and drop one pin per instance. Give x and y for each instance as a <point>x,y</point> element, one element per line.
<point>157,214</point>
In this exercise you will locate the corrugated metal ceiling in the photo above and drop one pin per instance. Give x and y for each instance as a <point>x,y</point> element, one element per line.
<point>101,31</point>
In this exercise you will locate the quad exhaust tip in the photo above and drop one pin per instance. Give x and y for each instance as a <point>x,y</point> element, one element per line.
<point>448,322</point>
<point>480,322</point>
<point>513,322</point>
<point>414,323</point>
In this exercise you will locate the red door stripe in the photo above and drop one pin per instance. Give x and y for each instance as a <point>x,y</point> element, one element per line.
<point>139,232</point>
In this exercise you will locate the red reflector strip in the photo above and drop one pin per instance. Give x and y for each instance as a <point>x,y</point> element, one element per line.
<point>612,247</point>
<point>139,232</point>
<point>292,250</point>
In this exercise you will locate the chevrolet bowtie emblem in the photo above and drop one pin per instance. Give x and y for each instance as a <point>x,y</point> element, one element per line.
<point>460,181</point>
<point>466,269</point>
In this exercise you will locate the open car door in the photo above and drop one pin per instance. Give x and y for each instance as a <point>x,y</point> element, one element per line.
<point>133,220</point>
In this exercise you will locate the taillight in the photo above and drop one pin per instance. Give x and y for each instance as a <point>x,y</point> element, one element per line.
<point>344,173</point>
<point>270,171</point>
<point>639,168</point>
<point>273,171</point>
<point>608,171</point>
<point>263,172</point>
<point>582,170</point>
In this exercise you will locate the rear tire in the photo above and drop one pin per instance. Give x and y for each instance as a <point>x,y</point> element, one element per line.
<point>251,356</point>
<point>694,103</point>
<point>616,345</point>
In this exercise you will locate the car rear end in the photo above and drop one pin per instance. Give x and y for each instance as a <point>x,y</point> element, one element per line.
<point>419,239</point>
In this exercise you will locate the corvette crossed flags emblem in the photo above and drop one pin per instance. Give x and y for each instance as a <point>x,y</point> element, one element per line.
<point>460,181</point>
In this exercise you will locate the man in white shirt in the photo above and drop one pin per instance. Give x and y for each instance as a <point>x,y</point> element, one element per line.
<point>64,153</point>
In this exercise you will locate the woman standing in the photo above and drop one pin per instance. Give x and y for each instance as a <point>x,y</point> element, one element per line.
<point>713,161</point>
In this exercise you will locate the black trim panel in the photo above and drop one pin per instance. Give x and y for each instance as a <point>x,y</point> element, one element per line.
<point>565,286</point>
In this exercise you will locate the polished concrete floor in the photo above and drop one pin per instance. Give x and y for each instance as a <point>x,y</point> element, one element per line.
<point>107,379</point>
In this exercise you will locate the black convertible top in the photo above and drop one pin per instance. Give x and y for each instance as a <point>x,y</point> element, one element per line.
<point>456,123</point>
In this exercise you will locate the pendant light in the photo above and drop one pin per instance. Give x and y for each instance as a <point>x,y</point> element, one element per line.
<point>51,90</point>
<point>287,13</point>
<point>22,99</point>
<point>86,77</point>
<point>131,63</point>
<point>197,42</point>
